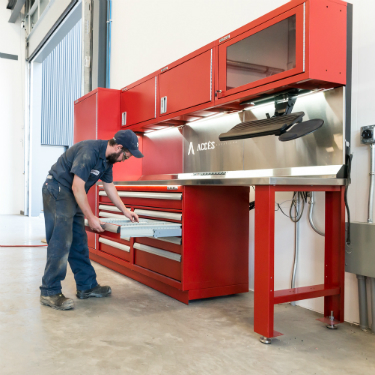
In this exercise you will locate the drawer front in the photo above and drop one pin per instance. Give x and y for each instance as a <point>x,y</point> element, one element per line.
<point>172,244</point>
<point>164,262</point>
<point>119,250</point>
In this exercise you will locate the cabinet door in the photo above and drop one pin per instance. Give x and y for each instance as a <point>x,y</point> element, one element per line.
<point>85,127</point>
<point>138,103</point>
<point>266,53</point>
<point>187,85</point>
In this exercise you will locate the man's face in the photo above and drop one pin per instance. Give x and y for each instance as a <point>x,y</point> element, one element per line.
<point>119,155</point>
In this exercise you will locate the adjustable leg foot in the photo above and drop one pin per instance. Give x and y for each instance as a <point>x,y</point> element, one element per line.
<point>265,340</point>
<point>330,321</point>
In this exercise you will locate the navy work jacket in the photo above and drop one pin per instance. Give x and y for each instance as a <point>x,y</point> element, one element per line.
<point>85,159</point>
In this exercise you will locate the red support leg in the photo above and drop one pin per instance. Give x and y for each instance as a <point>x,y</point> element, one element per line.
<point>334,274</point>
<point>264,261</point>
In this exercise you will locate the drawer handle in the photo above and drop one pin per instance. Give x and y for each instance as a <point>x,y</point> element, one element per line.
<point>137,194</point>
<point>166,215</point>
<point>117,245</point>
<point>108,214</point>
<point>108,208</point>
<point>159,252</point>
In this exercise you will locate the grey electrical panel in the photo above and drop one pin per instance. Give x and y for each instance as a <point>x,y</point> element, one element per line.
<point>360,254</point>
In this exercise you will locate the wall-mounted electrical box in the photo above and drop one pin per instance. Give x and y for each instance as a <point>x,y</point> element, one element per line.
<point>368,134</point>
<point>360,254</point>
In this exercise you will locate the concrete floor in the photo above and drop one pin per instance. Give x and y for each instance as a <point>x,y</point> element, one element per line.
<point>141,331</point>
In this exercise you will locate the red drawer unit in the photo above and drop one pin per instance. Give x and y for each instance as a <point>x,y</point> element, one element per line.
<point>209,259</point>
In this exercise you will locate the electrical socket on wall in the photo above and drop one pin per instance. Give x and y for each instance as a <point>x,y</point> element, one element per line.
<point>368,134</point>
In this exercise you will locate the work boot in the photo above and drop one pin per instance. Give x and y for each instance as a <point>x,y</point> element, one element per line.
<point>98,291</point>
<point>57,301</point>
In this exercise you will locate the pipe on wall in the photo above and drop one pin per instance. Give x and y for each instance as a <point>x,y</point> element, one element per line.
<point>108,52</point>
<point>370,220</point>
<point>373,304</point>
<point>362,294</point>
<point>296,241</point>
<point>311,211</point>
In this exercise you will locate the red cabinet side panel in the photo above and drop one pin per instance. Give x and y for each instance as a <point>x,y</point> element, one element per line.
<point>327,46</point>
<point>163,153</point>
<point>85,127</point>
<point>85,119</point>
<point>216,234</point>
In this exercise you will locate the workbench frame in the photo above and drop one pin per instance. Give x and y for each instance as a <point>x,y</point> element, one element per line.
<point>265,296</point>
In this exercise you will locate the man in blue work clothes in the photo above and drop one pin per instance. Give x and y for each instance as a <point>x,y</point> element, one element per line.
<point>65,207</point>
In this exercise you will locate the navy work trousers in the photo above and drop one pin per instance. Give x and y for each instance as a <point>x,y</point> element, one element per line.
<point>67,240</point>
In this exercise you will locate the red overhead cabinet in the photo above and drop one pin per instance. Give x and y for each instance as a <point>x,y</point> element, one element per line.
<point>187,84</point>
<point>138,102</point>
<point>301,44</point>
<point>266,53</point>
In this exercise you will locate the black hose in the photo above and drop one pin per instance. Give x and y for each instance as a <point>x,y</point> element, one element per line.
<point>347,183</point>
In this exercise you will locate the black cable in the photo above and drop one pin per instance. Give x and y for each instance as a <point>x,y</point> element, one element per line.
<point>347,183</point>
<point>297,195</point>
<point>251,205</point>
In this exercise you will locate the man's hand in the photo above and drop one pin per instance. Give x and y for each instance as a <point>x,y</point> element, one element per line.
<point>132,216</point>
<point>112,194</point>
<point>95,224</point>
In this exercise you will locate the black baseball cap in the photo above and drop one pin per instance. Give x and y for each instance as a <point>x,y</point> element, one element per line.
<point>128,140</point>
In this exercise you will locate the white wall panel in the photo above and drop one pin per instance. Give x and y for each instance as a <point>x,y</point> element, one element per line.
<point>12,114</point>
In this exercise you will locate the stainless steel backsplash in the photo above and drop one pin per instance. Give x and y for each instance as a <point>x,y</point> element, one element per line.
<point>203,151</point>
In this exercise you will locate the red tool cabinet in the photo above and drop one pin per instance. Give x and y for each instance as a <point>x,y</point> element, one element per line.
<point>97,116</point>
<point>209,259</point>
<point>301,44</point>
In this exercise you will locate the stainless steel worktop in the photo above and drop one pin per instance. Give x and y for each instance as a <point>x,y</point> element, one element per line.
<point>230,179</point>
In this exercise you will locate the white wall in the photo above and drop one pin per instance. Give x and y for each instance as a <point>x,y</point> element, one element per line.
<point>147,35</point>
<point>11,114</point>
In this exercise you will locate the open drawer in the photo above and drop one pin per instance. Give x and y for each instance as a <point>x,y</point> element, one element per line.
<point>145,228</point>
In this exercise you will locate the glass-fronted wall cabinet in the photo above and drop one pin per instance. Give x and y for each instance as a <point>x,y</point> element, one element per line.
<point>266,53</point>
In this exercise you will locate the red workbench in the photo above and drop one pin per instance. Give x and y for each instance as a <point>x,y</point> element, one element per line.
<point>265,188</point>
<point>265,297</point>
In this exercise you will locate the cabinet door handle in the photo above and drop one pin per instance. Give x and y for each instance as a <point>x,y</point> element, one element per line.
<point>163,105</point>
